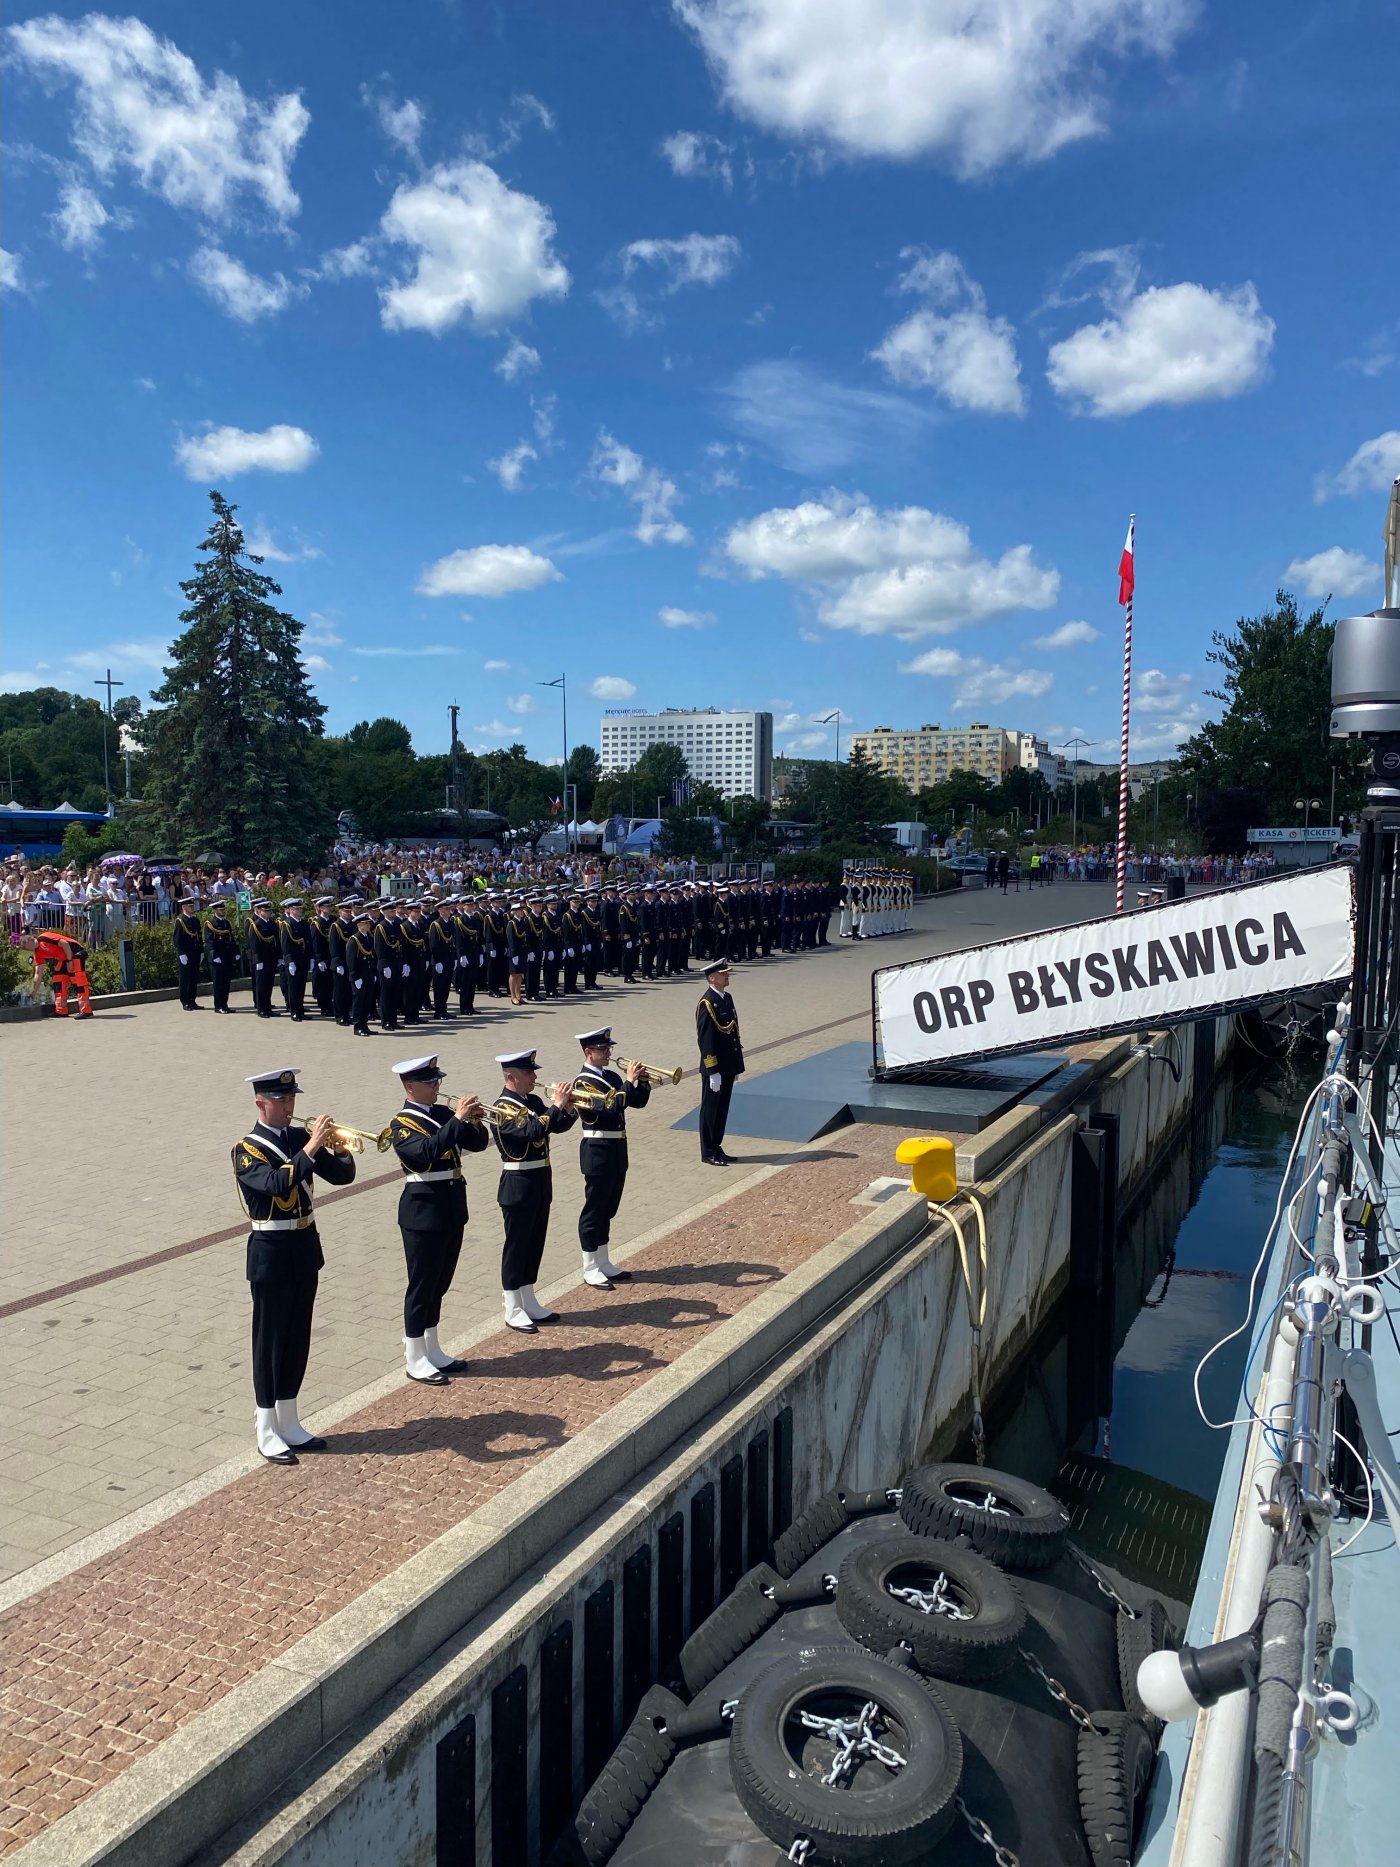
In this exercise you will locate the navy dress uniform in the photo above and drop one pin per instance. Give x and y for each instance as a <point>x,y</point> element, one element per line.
<point>361,968</point>
<point>264,954</point>
<point>413,934</point>
<point>342,932</point>
<point>429,1140</point>
<point>189,950</point>
<point>221,951</point>
<point>721,1060</point>
<point>296,959</point>
<point>274,1165</point>
<point>388,965</point>
<point>322,978</point>
<point>442,957</point>
<point>525,1192</point>
<point>602,1154</point>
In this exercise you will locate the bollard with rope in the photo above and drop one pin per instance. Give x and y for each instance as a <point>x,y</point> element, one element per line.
<point>934,1161</point>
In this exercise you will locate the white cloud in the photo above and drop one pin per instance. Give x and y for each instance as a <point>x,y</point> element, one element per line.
<point>952,345</point>
<point>487,570</point>
<point>1371,469</point>
<point>480,249</point>
<point>905,573</point>
<point>260,542</point>
<point>980,683</point>
<point>401,123</point>
<point>315,664</point>
<point>346,262</point>
<point>80,218</point>
<point>1164,347</point>
<point>236,291</point>
<point>654,496</point>
<point>1334,572</point>
<point>611,687</point>
<point>810,424</point>
<point>497,729</point>
<point>1157,692</point>
<point>143,106</point>
<point>408,654</point>
<point>496,667</point>
<point>522,703</point>
<point>223,451</point>
<point>685,618</point>
<point>140,654</point>
<point>146,383</point>
<point>509,468</point>
<point>542,412</point>
<point>696,259</point>
<point>972,86</point>
<point>11,278</point>
<point>1068,635</point>
<point>318,633</point>
<point>694,153</point>
<point>520,359</point>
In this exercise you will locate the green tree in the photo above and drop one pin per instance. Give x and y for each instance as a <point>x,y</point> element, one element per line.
<point>1276,688</point>
<point>684,834</point>
<point>585,769</point>
<point>850,802</point>
<point>51,748</point>
<point>372,772</point>
<point>230,740</point>
<point>634,792</point>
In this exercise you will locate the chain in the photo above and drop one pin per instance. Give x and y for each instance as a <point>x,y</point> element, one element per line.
<point>855,1741</point>
<point>1104,1586</point>
<point>935,1600</point>
<point>980,1832</point>
<point>1058,1692</point>
<point>801,1850</point>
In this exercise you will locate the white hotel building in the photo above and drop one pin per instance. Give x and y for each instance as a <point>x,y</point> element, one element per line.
<point>732,751</point>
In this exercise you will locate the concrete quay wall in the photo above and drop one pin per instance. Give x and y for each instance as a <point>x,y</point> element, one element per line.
<point>849,1371</point>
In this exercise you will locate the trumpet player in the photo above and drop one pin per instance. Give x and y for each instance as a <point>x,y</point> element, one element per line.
<point>522,1125</point>
<point>430,1141</point>
<point>602,1151</point>
<point>273,1165</point>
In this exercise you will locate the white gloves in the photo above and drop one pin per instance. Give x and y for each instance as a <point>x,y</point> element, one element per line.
<point>438,966</point>
<point>359,985</point>
<point>388,972</point>
<point>716,1081</point>
<point>291,969</point>
<point>184,959</point>
<point>408,972</point>
<point>258,966</point>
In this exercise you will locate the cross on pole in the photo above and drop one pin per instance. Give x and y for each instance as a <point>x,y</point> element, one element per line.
<point>107,682</point>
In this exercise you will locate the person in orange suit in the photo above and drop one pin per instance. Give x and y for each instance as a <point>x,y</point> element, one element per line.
<point>67,956</point>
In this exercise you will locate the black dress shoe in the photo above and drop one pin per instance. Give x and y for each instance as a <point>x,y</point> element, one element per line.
<point>714,1160</point>
<point>726,1160</point>
<point>620,1277</point>
<point>436,1379</point>
<point>280,1458</point>
<point>455,1366</point>
<point>310,1445</point>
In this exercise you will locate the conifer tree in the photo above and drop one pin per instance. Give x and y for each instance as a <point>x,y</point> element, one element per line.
<point>229,738</point>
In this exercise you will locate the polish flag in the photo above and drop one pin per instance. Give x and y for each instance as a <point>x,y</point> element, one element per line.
<point>1125,568</point>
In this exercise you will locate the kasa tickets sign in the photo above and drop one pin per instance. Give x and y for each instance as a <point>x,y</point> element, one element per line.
<point>1127,972</point>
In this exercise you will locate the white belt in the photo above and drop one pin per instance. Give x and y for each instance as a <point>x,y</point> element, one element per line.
<point>281,1225</point>
<point>605,1134</point>
<point>522,1166</point>
<point>431,1179</point>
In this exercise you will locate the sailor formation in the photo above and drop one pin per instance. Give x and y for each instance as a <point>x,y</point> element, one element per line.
<point>388,961</point>
<point>278,1161</point>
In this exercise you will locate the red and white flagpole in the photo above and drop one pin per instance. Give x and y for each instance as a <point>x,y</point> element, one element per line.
<point>1125,597</point>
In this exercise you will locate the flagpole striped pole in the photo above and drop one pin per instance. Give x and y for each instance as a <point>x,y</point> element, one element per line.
<point>1126,596</point>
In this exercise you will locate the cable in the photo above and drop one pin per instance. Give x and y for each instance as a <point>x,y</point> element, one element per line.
<point>1224,1425</point>
<point>1370,1495</point>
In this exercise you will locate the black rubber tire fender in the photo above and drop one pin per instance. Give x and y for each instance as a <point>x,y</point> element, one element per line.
<point>1026,1529</point>
<point>806,1534</point>
<point>1139,1636</point>
<point>1115,1768</point>
<point>735,1624</point>
<point>891,1823</point>
<point>978,1648</point>
<point>636,1766</point>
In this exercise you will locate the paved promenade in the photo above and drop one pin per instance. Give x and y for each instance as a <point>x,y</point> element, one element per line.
<point>155,1561</point>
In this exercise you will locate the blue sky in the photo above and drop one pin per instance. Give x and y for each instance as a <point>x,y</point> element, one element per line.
<point>797,354</point>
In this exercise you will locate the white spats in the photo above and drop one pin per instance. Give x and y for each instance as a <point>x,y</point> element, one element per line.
<point>517,1317</point>
<point>270,1441</point>
<point>417,1364</point>
<point>593,1272</point>
<point>532,1306</point>
<point>435,1352</point>
<point>289,1426</point>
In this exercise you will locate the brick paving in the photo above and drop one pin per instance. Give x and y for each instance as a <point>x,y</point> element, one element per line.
<point>96,1669</point>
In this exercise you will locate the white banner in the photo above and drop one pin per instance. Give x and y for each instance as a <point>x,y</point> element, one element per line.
<point>1126,972</point>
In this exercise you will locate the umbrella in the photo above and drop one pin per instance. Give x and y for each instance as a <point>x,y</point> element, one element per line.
<point>118,861</point>
<point>211,859</point>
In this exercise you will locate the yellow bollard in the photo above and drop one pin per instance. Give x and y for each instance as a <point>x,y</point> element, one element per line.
<point>934,1160</point>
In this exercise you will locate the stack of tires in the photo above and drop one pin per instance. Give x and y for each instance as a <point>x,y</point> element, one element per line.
<point>881,1687</point>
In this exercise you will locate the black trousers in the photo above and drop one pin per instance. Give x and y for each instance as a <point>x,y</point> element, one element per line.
<point>628,961</point>
<point>189,981</point>
<point>532,974</point>
<point>442,986</point>
<point>412,992</point>
<point>524,1199</point>
<point>361,998</point>
<point>569,965</point>
<point>343,996</point>
<point>282,1311</point>
<point>294,986</point>
<point>431,1258</point>
<point>604,1165</point>
<point>466,982</point>
<point>389,997</point>
<point>219,971</point>
<point>323,987</point>
<point>262,976</point>
<point>714,1112</point>
<point>588,959</point>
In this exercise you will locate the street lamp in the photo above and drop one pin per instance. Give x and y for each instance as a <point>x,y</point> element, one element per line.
<point>563,687</point>
<point>826,720</point>
<point>1074,816</point>
<point>1307,805</point>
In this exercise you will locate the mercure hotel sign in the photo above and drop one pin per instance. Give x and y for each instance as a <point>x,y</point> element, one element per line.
<point>1161,965</point>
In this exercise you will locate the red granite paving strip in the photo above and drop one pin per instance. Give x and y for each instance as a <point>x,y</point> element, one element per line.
<point>98,1668</point>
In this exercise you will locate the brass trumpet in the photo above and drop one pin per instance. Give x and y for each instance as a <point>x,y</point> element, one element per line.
<point>353,1140</point>
<point>651,1072</point>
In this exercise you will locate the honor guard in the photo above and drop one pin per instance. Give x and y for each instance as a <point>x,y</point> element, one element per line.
<point>322,978</point>
<point>413,933</point>
<point>430,1140</point>
<point>497,929</point>
<point>721,1060</point>
<point>264,956</point>
<point>273,1165</point>
<point>361,968</point>
<point>591,946</point>
<point>189,950</point>
<point>388,966</point>
<point>442,956</point>
<point>296,958</point>
<point>468,937</point>
<point>342,932</point>
<point>602,1154</point>
<point>522,1127</point>
<point>221,951</point>
<point>573,937</point>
